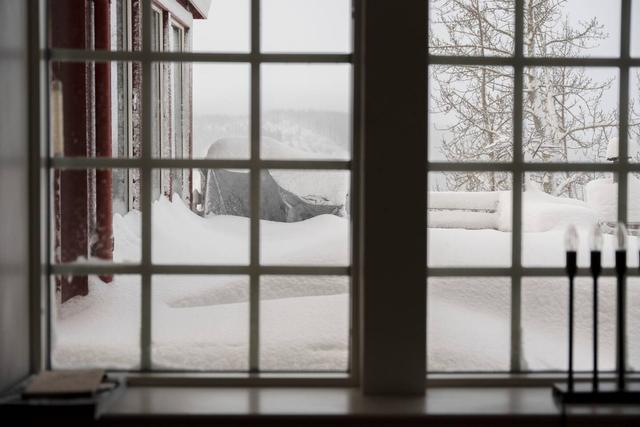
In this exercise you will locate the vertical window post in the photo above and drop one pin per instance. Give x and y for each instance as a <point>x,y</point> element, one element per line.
<point>394,138</point>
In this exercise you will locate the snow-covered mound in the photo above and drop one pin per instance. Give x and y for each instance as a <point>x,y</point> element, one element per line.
<point>320,187</point>
<point>270,148</point>
<point>201,322</point>
<point>602,196</point>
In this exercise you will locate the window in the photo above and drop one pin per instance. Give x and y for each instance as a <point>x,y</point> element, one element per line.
<point>215,234</point>
<point>532,128</point>
<point>259,132</point>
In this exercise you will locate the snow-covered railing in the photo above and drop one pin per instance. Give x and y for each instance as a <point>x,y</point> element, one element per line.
<point>467,210</point>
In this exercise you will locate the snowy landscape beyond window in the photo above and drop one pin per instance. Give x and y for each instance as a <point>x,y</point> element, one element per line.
<point>212,203</point>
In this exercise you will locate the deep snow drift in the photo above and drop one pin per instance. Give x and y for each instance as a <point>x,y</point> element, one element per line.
<point>202,322</point>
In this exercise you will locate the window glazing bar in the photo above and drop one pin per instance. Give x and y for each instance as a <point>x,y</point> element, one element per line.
<point>254,188</point>
<point>76,55</point>
<point>134,163</point>
<point>506,61</point>
<point>146,191</point>
<point>110,269</point>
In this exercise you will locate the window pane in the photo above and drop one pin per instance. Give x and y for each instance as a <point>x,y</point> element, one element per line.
<point>572,28</point>
<point>545,323</point>
<point>633,219</point>
<point>635,28</point>
<point>73,25</point>
<point>95,109</point>
<point>468,324</point>
<point>97,327</point>
<point>201,217</point>
<point>634,116</point>
<point>469,212</point>
<point>633,320</point>
<point>226,28</point>
<point>306,111</point>
<point>470,113</point>
<point>471,28</point>
<point>221,111</point>
<point>306,26</point>
<point>305,217</point>
<point>570,114</point>
<point>200,323</point>
<point>553,201</point>
<point>95,215</point>
<point>304,323</point>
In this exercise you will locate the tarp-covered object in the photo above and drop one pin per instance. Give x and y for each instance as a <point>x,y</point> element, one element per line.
<point>227,193</point>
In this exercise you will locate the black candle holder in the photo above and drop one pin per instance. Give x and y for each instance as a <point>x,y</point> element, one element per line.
<point>621,390</point>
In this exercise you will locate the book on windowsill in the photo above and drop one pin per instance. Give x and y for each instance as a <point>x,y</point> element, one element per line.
<point>65,383</point>
<point>74,394</point>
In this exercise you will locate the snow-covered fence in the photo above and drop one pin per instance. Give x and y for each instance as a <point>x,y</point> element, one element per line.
<point>468,210</point>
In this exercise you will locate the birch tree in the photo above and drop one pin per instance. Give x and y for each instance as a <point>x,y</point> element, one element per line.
<point>566,113</point>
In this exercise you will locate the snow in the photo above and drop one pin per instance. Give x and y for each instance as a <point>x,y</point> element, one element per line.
<point>325,187</point>
<point>479,200</point>
<point>612,149</point>
<point>602,196</point>
<point>202,322</point>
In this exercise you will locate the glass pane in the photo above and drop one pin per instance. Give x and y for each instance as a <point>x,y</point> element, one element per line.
<point>221,111</point>
<point>572,28</point>
<point>545,323</point>
<point>304,323</point>
<point>633,219</point>
<point>471,28</point>
<point>470,113</point>
<point>225,29</point>
<point>200,323</point>
<point>635,28</point>
<point>74,25</point>
<point>633,320</point>
<point>634,117</point>
<point>306,111</point>
<point>306,26</point>
<point>468,324</point>
<point>570,114</point>
<point>95,322</point>
<point>170,110</point>
<point>201,216</point>
<point>469,212</point>
<point>95,215</point>
<point>100,121</point>
<point>305,217</point>
<point>553,201</point>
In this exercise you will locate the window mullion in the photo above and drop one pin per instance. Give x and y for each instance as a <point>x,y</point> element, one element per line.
<point>395,152</point>
<point>146,190</point>
<point>254,276</point>
<point>517,176</point>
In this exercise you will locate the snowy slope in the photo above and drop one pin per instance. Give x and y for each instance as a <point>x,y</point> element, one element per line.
<point>201,322</point>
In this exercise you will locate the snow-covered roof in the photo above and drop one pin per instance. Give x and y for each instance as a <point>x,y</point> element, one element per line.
<point>202,7</point>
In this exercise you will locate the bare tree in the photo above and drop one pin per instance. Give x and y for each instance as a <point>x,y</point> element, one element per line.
<point>567,116</point>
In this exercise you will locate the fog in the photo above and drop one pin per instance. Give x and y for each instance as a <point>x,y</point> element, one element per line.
<point>310,26</point>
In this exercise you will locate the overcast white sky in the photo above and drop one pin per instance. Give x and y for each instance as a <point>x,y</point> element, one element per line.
<point>317,26</point>
<point>287,26</point>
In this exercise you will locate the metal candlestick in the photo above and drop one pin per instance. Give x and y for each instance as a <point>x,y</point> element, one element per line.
<point>596,270</point>
<point>597,390</point>
<point>571,243</point>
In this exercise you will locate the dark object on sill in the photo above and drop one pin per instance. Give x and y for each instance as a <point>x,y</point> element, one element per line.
<point>606,392</point>
<point>74,395</point>
<point>622,390</point>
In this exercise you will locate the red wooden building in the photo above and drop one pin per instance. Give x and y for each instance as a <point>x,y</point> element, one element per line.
<point>98,106</point>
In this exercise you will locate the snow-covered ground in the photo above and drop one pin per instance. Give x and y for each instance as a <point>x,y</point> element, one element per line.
<point>202,322</point>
